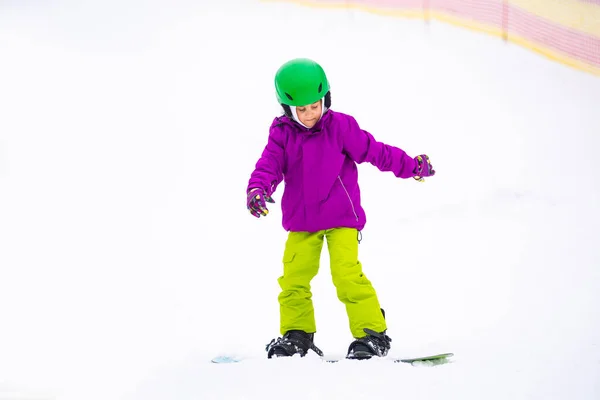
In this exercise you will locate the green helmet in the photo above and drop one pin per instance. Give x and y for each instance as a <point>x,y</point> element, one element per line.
<point>300,82</point>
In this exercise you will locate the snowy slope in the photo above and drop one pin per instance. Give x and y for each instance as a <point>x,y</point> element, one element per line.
<point>128,131</point>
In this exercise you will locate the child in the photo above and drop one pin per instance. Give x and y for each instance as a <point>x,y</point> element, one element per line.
<point>315,151</point>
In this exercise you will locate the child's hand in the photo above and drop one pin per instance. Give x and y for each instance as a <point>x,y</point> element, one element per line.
<point>256,201</point>
<point>423,168</point>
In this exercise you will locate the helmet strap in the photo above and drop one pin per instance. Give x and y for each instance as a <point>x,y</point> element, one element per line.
<point>287,111</point>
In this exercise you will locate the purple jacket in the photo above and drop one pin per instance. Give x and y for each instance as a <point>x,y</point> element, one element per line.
<point>318,166</point>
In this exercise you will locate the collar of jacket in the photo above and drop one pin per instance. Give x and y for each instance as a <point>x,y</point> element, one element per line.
<point>308,131</point>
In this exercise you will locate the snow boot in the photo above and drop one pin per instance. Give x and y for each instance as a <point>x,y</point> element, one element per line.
<point>293,342</point>
<point>374,344</point>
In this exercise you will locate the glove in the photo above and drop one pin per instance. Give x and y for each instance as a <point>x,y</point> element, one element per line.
<point>423,168</point>
<point>256,201</point>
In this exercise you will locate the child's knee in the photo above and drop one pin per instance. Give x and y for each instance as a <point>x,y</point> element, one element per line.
<point>353,288</point>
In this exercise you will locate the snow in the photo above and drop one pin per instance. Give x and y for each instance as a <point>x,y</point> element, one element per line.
<point>128,131</point>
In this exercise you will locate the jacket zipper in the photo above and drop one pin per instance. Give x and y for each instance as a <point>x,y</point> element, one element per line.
<point>348,195</point>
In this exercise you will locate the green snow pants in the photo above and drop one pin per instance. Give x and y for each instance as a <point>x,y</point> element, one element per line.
<point>301,264</point>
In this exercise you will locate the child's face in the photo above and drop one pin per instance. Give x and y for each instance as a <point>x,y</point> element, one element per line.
<point>309,115</point>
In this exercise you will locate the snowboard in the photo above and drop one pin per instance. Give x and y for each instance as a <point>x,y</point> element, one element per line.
<point>225,360</point>
<point>437,359</point>
<point>433,360</point>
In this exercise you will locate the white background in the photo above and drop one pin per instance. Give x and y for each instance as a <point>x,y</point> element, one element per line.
<point>128,131</point>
